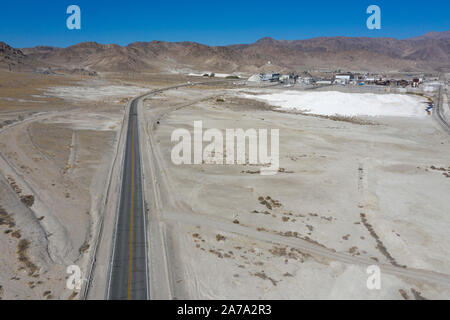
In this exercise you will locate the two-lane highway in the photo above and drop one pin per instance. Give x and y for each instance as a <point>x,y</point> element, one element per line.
<point>128,277</point>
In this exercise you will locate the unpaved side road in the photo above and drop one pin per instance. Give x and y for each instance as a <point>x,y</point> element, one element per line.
<point>162,208</point>
<point>172,211</point>
<point>96,282</point>
<point>305,246</point>
<point>96,279</point>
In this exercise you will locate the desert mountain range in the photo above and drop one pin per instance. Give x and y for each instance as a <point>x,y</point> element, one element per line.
<point>425,53</point>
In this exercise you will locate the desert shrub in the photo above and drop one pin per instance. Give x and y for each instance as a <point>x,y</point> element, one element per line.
<point>27,200</point>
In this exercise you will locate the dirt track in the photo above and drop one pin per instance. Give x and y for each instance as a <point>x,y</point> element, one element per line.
<point>172,211</point>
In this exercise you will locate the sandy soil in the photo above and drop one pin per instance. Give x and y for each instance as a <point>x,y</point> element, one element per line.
<point>350,192</point>
<point>369,189</point>
<point>58,139</point>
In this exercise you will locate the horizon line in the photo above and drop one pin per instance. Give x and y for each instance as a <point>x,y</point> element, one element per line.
<point>225,45</point>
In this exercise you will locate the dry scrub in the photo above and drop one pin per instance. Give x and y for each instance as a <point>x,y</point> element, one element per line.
<point>6,219</point>
<point>22,251</point>
<point>380,246</point>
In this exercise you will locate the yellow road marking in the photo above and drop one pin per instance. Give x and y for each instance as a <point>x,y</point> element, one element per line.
<point>131,208</point>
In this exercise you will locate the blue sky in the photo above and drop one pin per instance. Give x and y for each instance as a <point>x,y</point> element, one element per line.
<point>43,22</point>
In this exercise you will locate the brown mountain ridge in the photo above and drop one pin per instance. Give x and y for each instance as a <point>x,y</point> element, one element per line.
<point>425,53</point>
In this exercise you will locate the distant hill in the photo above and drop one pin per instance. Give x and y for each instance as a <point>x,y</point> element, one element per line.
<point>445,35</point>
<point>13,59</point>
<point>425,53</point>
<point>385,54</point>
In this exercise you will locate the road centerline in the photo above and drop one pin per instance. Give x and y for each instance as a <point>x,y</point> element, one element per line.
<point>128,278</point>
<point>130,257</point>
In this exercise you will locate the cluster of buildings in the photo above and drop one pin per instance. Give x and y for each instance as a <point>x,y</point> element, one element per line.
<point>347,78</point>
<point>265,77</point>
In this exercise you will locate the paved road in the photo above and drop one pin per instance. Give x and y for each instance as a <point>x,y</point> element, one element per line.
<point>129,270</point>
<point>128,278</point>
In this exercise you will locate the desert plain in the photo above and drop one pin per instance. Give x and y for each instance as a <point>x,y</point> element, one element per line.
<point>352,190</point>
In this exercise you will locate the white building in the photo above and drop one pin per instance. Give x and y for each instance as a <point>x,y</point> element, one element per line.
<point>343,78</point>
<point>324,82</point>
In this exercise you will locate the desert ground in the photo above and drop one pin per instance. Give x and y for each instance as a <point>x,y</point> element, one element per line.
<point>58,137</point>
<point>352,190</point>
<point>370,187</point>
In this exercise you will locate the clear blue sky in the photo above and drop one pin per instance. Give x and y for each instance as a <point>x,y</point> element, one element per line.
<point>43,22</point>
